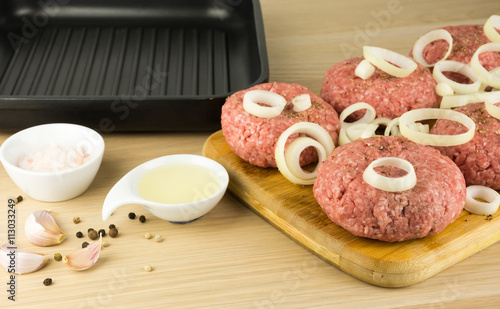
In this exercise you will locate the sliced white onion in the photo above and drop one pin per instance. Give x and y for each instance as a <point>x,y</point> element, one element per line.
<point>360,130</point>
<point>343,139</point>
<point>486,77</point>
<point>368,117</point>
<point>316,132</point>
<point>495,72</point>
<point>301,102</point>
<point>489,104</point>
<point>274,102</point>
<point>398,184</point>
<point>292,156</point>
<point>390,62</point>
<point>457,67</point>
<point>429,37</point>
<point>443,89</point>
<point>464,99</point>
<point>419,127</point>
<point>381,121</point>
<point>490,196</point>
<point>364,69</point>
<point>392,128</point>
<point>433,139</point>
<point>489,28</point>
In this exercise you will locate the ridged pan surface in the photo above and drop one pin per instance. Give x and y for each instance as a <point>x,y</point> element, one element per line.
<point>168,68</point>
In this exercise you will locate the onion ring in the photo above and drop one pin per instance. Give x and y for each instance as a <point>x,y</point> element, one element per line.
<point>490,27</point>
<point>301,102</point>
<point>429,37</point>
<point>367,118</point>
<point>486,77</point>
<point>383,59</point>
<point>464,99</point>
<point>390,184</point>
<point>360,130</point>
<point>457,67</point>
<point>292,155</point>
<point>419,127</point>
<point>433,139</point>
<point>392,128</point>
<point>276,103</point>
<point>316,132</point>
<point>489,104</point>
<point>343,139</point>
<point>364,70</point>
<point>489,195</point>
<point>381,121</point>
<point>443,89</point>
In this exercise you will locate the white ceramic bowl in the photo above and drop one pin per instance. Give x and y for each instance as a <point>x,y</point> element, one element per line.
<point>53,186</point>
<point>125,191</point>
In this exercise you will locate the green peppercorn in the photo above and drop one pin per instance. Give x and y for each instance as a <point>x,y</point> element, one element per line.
<point>85,244</point>
<point>93,235</point>
<point>142,219</point>
<point>113,232</point>
<point>57,256</point>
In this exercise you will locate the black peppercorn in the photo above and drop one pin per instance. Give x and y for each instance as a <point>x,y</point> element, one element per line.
<point>47,281</point>
<point>90,229</point>
<point>113,232</point>
<point>85,244</point>
<point>112,226</point>
<point>142,219</point>
<point>102,232</point>
<point>131,215</point>
<point>79,234</point>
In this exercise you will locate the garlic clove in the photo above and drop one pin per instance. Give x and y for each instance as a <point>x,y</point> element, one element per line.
<point>42,230</point>
<point>84,258</point>
<point>17,261</point>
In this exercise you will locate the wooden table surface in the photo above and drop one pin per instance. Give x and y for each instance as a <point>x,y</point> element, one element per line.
<point>231,258</point>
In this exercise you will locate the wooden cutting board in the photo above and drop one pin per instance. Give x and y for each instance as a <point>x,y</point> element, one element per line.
<point>294,210</point>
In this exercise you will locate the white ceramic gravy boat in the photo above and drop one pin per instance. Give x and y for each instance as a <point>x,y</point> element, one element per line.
<point>125,191</point>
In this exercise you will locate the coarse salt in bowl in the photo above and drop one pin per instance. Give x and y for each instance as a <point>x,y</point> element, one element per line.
<point>57,184</point>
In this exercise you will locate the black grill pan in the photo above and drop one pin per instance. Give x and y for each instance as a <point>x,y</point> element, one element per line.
<point>118,65</point>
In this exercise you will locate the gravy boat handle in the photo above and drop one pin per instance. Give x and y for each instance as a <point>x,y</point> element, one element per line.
<point>121,194</point>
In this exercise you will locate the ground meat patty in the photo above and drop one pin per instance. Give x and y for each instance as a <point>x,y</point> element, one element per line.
<point>390,96</point>
<point>466,40</point>
<point>426,209</point>
<point>479,159</point>
<point>254,139</point>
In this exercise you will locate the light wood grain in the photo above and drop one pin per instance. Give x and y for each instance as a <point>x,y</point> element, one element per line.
<point>232,258</point>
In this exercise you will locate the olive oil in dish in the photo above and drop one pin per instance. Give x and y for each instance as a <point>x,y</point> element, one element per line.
<point>178,183</point>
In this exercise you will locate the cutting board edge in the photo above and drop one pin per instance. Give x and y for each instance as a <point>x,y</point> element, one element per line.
<point>308,242</point>
<point>373,276</point>
<point>376,271</point>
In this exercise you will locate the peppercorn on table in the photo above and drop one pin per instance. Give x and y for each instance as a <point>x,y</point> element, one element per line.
<point>231,257</point>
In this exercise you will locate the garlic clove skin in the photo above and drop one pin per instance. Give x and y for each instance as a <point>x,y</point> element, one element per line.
<point>84,258</point>
<point>15,260</point>
<point>42,230</point>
